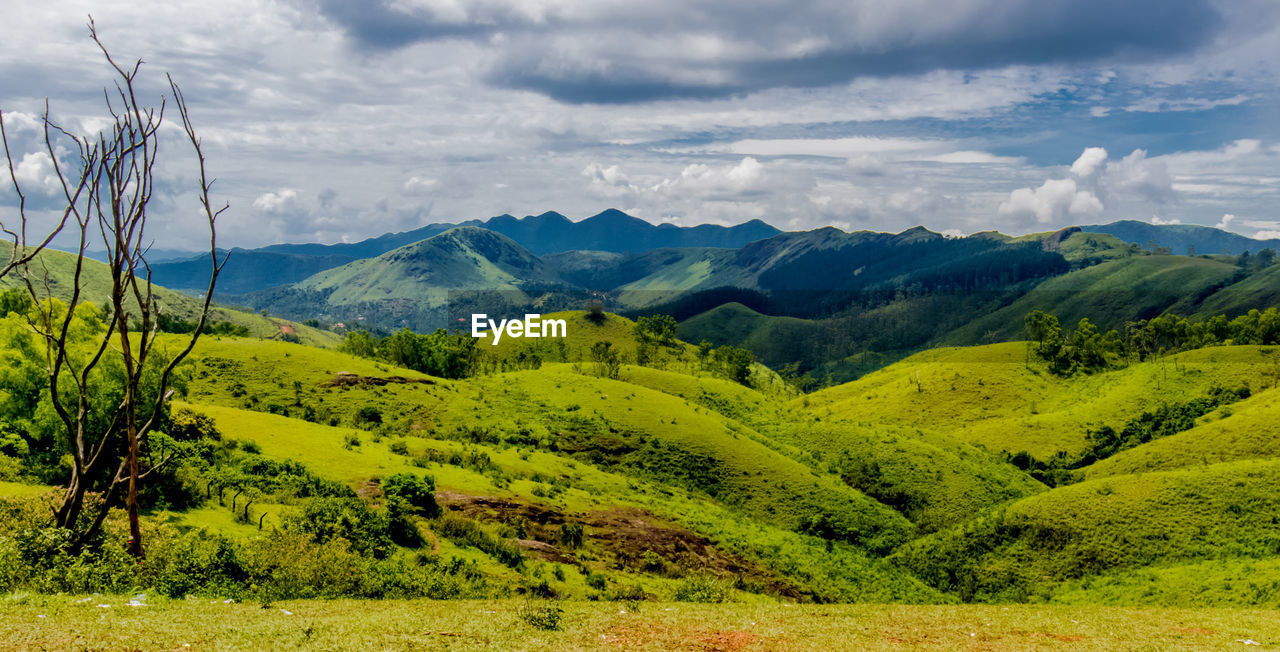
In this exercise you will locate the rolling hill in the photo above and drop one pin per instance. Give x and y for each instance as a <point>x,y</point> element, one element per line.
<point>55,270</point>
<point>1179,238</point>
<point>1109,294</point>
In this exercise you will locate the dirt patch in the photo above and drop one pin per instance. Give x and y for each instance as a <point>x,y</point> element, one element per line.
<point>546,551</point>
<point>652,634</point>
<point>345,379</point>
<point>636,540</point>
<point>726,641</point>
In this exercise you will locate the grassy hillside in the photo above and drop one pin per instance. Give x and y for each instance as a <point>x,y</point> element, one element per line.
<point>1106,524</point>
<point>466,258</point>
<point>1259,290</point>
<point>991,396</point>
<point>1109,294</point>
<point>1246,430</point>
<point>734,323</point>
<point>638,429</point>
<point>1217,583</point>
<point>583,332</point>
<point>56,271</point>
<point>1083,248</point>
<point>608,444</point>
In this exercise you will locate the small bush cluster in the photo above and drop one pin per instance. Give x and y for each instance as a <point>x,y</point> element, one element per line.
<point>326,553</point>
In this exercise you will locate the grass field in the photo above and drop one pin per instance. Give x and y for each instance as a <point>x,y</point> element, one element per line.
<point>66,622</point>
<point>991,395</point>
<point>57,269</point>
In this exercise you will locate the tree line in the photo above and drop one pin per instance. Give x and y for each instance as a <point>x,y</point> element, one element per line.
<point>1086,349</point>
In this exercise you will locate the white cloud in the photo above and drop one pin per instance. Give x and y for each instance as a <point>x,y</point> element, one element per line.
<point>1225,224</point>
<point>973,157</point>
<point>1267,235</point>
<point>280,201</point>
<point>1160,105</point>
<point>1136,173</point>
<point>609,181</point>
<point>1054,201</point>
<point>835,147</point>
<point>35,172</point>
<point>285,105</point>
<point>1158,221</point>
<point>704,179</point>
<point>419,186</point>
<point>916,202</point>
<point>1089,162</point>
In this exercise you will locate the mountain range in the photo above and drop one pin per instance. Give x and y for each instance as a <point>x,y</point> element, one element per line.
<point>1183,238</point>
<point>611,230</point>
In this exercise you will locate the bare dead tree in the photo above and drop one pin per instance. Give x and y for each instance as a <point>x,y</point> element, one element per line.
<point>107,191</point>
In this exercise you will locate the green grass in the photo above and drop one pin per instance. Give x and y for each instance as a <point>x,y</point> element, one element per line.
<point>621,424</point>
<point>769,486</point>
<point>1216,583</point>
<point>1092,248</point>
<point>1246,430</point>
<point>23,490</point>
<point>59,622</point>
<point>1113,523</point>
<point>1109,294</point>
<point>734,323</point>
<point>582,334</point>
<point>321,448</point>
<point>426,272</point>
<point>990,395</point>
<point>57,269</point>
<point>1259,290</point>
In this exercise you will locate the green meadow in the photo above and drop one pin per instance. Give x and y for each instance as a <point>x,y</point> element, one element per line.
<point>665,504</point>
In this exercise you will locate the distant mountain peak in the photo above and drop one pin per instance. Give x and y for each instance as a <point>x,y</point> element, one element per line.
<point>552,216</point>
<point>917,234</point>
<point>614,215</point>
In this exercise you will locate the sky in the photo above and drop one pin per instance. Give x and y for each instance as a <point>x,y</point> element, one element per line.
<point>331,121</point>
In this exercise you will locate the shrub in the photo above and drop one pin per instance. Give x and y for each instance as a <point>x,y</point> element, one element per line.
<point>702,589</point>
<point>201,563</point>
<point>467,532</point>
<point>325,519</point>
<point>541,616</point>
<point>369,414</point>
<point>571,535</point>
<point>417,492</point>
<point>596,581</point>
<point>185,425</point>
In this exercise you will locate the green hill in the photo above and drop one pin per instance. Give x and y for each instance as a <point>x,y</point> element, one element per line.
<point>1246,430</point>
<point>613,443</point>
<point>992,396</point>
<point>1109,294</point>
<point>1107,524</point>
<point>1259,290</point>
<point>55,270</point>
<point>465,258</point>
<point>1083,248</point>
<point>734,323</point>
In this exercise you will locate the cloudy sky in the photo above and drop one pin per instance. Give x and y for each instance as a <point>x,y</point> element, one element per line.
<point>328,120</point>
